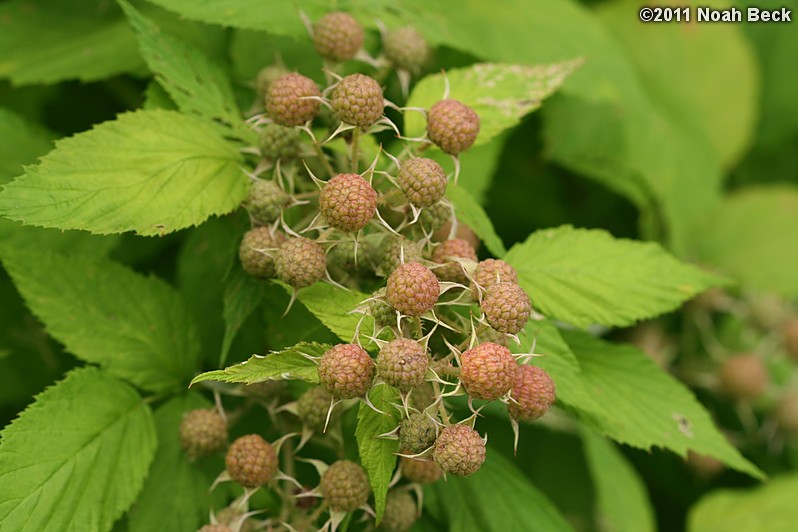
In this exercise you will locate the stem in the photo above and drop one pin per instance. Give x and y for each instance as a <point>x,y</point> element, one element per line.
<point>353,150</point>
<point>323,157</point>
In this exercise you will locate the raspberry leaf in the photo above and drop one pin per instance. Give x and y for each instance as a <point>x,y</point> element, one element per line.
<point>76,458</point>
<point>294,363</point>
<point>378,455</point>
<point>333,307</point>
<point>473,215</point>
<point>583,276</point>
<point>242,296</point>
<point>136,327</point>
<point>152,172</point>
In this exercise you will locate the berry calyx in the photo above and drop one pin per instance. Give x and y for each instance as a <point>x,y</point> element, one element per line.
<point>402,363</point>
<point>357,100</point>
<point>300,262</point>
<point>459,450</point>
<point>417,433</point>
<point>345,486</point>
<point>292,100</point>
<point>266,201</point>
<point>420,470</point>
<point>507,307</point>
<point>348,202</point>
<point>313,406</point>
<point>423,181</point>
<point>251,461</point>
<point>400,512</point>
<point>202,432</point>
<point>452,126</point>
<point>258,249</point>
<point>487,371</point>
<point>346,371</point>
<point>405,48</point>
<point>337,36</point>
<point>412,289</point>
<point>449,253</point>
<point>744,377</point>
<point>532,395</point>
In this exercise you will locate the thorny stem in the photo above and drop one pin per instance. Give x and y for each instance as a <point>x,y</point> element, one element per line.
<point>353,150</point>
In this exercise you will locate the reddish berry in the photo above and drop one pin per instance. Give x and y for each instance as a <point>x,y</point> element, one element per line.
<point>421,471</point>
<point>452,270</point>
<point>417,433</point>
<point>423,181</point>
<point>266,201</point>
<point>412,289</point>
<point>492,271</point>
<point>346,371</point>
<point>337,36</point>
<point>280,142</point>
<point>348,202</point>
<point>292,100</point>
<point>487,371</point>
<point>300,262</point>
<point>258,249</point>
<point>402,363</point>
<point>251,461</point>
<point>744,377</point>
<point>452,126</point>
<point>532,394</point>
<point>405,48</point>
<point>400,512</point>
<point>203,432</point>
<point>507,307</point>
<point>345,486</point>
<point>357,100</point>
<point>313,407</point>
<point>459,450</point>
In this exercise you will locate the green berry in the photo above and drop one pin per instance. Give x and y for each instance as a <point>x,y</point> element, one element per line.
<point>346,371</point>
<point>417,433</point>
<point>398,250</point>
<point>435,216</point>
<point>357,100</point>
<point>405,48</point>
<point>266,201</point>
<point>313,407</point>
<point>203,432</point>
<point>280,142</point>
<point>452,126</point>
<point>300,262</point>
<point>337,36</point>
<point>251,461</point>
<point>345,486</point>
<point>400,512</point>
<point>383,313</point>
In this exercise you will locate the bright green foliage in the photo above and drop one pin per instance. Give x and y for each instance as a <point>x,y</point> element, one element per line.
<point>175,496</point>
<point>378,454</point>
<point>501,94</point>
<point>469,212</point>
<point>585,276</point>
<point>623,504</point>
<point>333,307</point>
<point>151,172</point>
<point>98,438</point>
<point>294,363</point>
<point>136,327</point>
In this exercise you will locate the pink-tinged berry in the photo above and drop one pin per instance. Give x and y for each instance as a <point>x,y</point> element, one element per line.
<point>266,201</point>
<point>203,432</point>
<point>423,181</point>
<point>492,271</point>
<point>300,262</point>
<point>417,433</point>
<point>292,100</point>
<point>357,100</point>
<point>337,36</point>
<point>280,142</point>
<point>251,461</point>
<point>258,250</point>
<point>405,48</point>
<point>402,363</point>
<point>345,486</point>
<point>267,76</point>
<point>313,406</point>
<point>412,289</point>
<point>507,307</point>
<point>400,512</point>
<point>532,394</point>
<point>398,250</point>
<point>744,377</point>
<point>487,371</point>
<point>452,126</point>
<point>420,470</point>
<point>449,253</point>
<point>459,450</point>
<point>348,202</point>
<point>346,371</point>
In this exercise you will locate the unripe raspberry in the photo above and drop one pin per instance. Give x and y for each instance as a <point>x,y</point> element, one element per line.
<point>337,36</point>
<point>203,432</point>
<point>342,256</point>
<point>402,363</point>
<point>357,100</point>
<point>300,262</point>
<point>346,371</point>
<point>292,100</point>
<point>445,253</point>
<point>787,413</point>
<point>251,461</point>
<point>396,251</point>
<point>487,371</point>
<point>493,336</point>
<point>744,377</point>
<point>405,48</point>
<point>266,76</point>
<point>790,334</point>
<point>383,313</point>
<point>266,201</point>
<point>312,408</point>
<point>421,471</point>
<point>215,528</point>
<point>417,433</point>
<point>412,289</point>
<point>422,396</point>
<point>459,450</point>
<point>279,142</point>
<point>423,181</point>
<point>348,202</point>
<point>532,394</point>
<point>492,271</point>
<point>435,217</point>
<point>452,126</point>
<point>345,486</point>
<point>507,307</point>
<point>400,512</point>
<point>258,249</point>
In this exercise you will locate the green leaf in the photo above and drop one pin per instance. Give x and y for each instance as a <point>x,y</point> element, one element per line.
<point>76,459</point>
<point>136,327</point>
<point>175,494</point>
<point>583,276</point>
<point>294,363</point>
<point>768,508</point>
<point>623,504</point>
<point>334,308</point>
<point>496,498</point>
<point>152,172</point>
<point>378,455</point>
<point>752,235</point>
<point>472,214</point>
<point>645,407</point>
<point>242,296</point>
<point>501,94</point>
<point>192,80</point>
<point>23,142</point>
